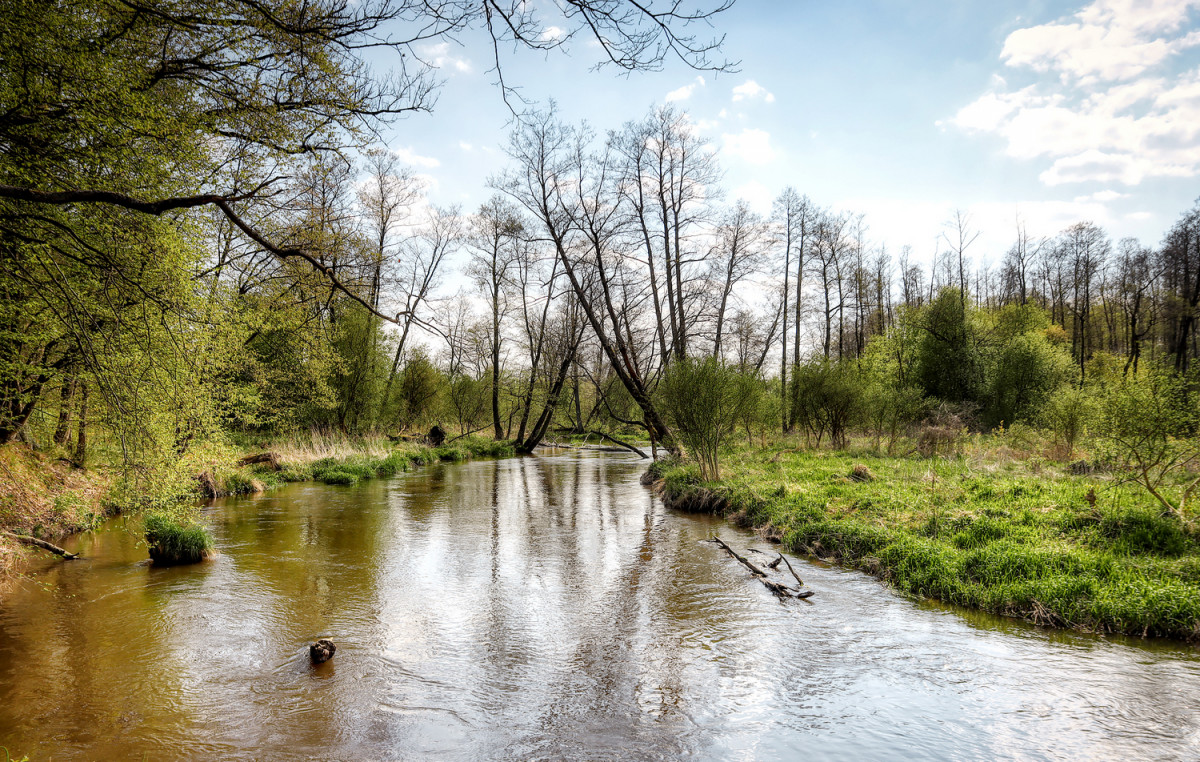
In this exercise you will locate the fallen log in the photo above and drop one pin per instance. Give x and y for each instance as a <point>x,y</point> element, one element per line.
<point>269,458</point>
<point>26,539</point>
<point>619,443</point>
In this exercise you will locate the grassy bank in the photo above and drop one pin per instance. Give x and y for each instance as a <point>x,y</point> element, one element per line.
<point>1019,538</point>
<point>45,497</point>
<point>343,464</point>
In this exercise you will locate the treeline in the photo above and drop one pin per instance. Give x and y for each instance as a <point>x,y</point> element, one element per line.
<point>200,235</point>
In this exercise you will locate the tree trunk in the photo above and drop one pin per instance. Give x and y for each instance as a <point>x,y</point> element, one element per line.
<point>80,457</point>
<point>62,432</point>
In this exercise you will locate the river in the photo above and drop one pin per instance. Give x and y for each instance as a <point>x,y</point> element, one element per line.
<point>545,607</point>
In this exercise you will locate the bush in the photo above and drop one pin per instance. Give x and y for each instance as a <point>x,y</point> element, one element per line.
<point>826,395</point>
<point>893,409</point>
<point>1068,413</point>
<point>1149,425</point>
<point>1026,372</point>
<point>704,400</point>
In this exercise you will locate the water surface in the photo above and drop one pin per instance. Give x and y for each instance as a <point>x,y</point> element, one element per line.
<point>544,607</point>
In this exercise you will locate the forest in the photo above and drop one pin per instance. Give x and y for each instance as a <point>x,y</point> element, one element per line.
<point>207,250</point>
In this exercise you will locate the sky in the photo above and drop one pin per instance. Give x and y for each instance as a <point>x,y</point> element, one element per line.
<point>1050,112</point>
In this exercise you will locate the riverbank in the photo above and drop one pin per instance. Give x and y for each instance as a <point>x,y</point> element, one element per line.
<point>47,498</point>
<point>1021,539</point>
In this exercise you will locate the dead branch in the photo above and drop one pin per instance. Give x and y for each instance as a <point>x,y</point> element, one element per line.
<point>799,582</point>
<point>618,442</point>
<point>26,539</point>
<point>783,591</point>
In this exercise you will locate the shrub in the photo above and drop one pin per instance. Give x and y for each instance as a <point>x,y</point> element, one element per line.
<point>825,397</point>
<point>1027,371</point>
<point>704,399</point>
<point>1149,425</point>
<point>1067,413</point>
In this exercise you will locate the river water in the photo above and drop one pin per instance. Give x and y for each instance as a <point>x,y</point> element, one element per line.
<point>544,607</point>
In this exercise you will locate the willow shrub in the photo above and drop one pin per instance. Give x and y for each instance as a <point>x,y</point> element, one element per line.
<point>704,400</point>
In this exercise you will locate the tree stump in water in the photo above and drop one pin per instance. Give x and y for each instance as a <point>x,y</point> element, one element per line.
<point>436,436</point>
<point>321,651</point>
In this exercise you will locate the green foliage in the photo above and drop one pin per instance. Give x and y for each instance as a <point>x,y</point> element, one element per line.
<point>1068,413</point>
<point>826,397</point>
<point>1025,374</point>
<point>420,386</point>
<point>892,409</point>
<point>1149,423</point>
<point>948,364</point>
<point>176,537</point>
<point>336,476</point>
<point>704,400</point>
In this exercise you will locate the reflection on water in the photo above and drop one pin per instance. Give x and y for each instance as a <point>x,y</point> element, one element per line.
<point>547,608</point>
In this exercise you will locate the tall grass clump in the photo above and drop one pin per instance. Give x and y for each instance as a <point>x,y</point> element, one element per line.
<point>175,537</point>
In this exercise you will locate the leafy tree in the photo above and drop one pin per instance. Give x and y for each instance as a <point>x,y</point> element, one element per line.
<point>827,395</point>
<point>948,362</point>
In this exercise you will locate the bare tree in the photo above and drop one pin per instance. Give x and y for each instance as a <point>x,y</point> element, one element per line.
<point>417,275</point>
<point>496,231</point>
<point>959,236</point>
<point>740,242</point>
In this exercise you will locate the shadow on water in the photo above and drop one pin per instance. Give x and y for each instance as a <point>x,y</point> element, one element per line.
<point>540,607</point>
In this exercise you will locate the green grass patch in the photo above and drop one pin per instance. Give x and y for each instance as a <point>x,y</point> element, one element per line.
<point>1085,552</point>
<point>175,538</point>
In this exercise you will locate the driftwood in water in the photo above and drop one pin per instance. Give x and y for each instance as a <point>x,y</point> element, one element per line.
<point>321,651</point>
<point>799,582</point>
<point>26,539</point>
<point>783,591</point>
<point>269,458</point>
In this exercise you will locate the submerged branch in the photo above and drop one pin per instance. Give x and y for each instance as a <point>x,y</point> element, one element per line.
<point>26,539</point>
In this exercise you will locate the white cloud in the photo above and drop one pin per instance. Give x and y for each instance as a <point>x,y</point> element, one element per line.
<point>553,33</point>
<point>1103,196</point>
<point>411,157</point>
<point>1107,40</point>
<point>439,57</point>
<point>750,145</point>
<point>464,145</point>
<point>757,195</point>
<point>1109,108</point>
<point>685,92</point>
<point>749,90</point>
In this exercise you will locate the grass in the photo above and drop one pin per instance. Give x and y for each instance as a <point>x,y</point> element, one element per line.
<point>1019,538</point>
<point>350,467</point>
<point>175,538</point>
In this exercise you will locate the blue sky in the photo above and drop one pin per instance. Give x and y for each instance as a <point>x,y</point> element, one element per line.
<point>902,111</point>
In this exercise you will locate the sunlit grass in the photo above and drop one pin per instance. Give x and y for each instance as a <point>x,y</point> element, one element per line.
<point>1015,537</point>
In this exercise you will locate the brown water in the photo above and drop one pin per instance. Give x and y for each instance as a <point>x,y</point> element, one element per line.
<point>540,608</point>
